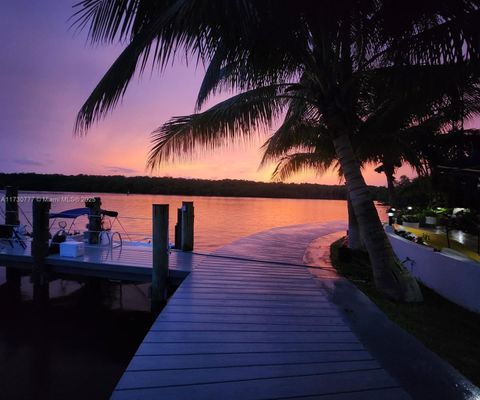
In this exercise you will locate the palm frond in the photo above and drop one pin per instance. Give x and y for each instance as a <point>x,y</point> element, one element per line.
<point>213,76</point>
<point>240,116</point>
<point>112,86</point>
<point>429,32</point>
<point>295,163</point>
<point>108,20</point>
<point>144,44</point>
<point>296,132</point>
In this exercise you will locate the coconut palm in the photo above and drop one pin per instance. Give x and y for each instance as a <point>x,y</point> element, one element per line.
<point>388,141</point>
<point>263,46</point>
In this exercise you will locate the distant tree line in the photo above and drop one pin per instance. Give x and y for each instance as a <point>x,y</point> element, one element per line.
<point>177,186</point>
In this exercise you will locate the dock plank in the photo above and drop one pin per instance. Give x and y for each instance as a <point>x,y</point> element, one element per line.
<point>276,388</point>
<point>256,336</point>
<point>145,379</point>
<point>248,318</point>
<point>259,327</point>
<point>226,359</point>
<point>152,349</point>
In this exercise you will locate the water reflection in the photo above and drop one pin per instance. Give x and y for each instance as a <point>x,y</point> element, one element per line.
<point>218,220</point>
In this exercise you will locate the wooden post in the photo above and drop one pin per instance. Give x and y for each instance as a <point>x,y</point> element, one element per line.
<point>39,250</point>
<point>11,206</point>
<point>178,230</point>
<point>13,276</point>
<point>94,220</point>
<point>160,249</point>
<point>187,226</point>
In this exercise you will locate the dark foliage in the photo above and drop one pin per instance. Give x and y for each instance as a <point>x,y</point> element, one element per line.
<point>176,186</point>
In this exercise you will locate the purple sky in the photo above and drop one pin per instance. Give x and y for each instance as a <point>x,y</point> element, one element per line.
<point>47,71</point>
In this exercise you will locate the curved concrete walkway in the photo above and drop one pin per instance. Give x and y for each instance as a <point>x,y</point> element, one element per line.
<point>251,322</point>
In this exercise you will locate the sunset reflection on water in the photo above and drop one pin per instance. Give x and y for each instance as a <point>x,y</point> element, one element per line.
<point>218,220</point>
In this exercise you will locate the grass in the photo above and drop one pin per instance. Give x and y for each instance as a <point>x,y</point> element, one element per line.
<point>444,327</point>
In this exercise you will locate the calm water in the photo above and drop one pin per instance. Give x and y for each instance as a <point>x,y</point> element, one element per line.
<point>80,346</point>
<point>218,220</point>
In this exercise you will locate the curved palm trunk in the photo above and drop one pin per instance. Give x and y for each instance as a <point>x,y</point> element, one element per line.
<point>390,174</point>
<point>354,237</point>
<point>391,190</point>
<point>390,276</point>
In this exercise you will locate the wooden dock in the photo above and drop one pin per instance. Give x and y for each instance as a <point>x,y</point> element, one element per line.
<point>114,261</point>
<point>252,323</point>
<point>125,263</point>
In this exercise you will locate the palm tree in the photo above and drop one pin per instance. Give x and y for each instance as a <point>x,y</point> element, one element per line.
<point>264,48</point>
<point>414,136</point>
<point>406,114</point>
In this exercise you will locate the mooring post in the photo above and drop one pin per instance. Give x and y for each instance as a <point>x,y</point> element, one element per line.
<point>94,220</point>
<point>178,229</point>
<point>39,250</point>
<point>187,226</point>
<point>160,250</point>
<point>13,276</point>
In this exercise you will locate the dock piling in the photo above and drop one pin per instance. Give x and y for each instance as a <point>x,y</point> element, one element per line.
<point>39,250</point>
<point>94,220</point>
<point>178,229</point>
<point>187,222</point>
<point>160,250</point>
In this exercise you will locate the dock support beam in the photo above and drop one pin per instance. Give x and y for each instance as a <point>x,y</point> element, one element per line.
<point>160,250</point>
<point>187,226</point>
<point>13,276</point>
<point>41,209</point>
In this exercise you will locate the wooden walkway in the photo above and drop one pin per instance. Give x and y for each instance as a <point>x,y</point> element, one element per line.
<point>128,263</point>
<point>262,329</point>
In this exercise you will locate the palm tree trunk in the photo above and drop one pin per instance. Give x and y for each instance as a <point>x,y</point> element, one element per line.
<point>389,173</point>
<point>354,237</point>
<point>391,278</point>
<point>391,191</point>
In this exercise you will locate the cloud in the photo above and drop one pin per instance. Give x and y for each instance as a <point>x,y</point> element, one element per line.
<point>31,163</point>
<point>120,170</point>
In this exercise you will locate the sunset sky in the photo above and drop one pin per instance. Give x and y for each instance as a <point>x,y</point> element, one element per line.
<point>47,71</point>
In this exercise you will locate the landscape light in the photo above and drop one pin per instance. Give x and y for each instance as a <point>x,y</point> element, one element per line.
<point>409,208</point>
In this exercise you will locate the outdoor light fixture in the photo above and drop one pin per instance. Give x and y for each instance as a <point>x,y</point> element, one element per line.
<point>390,214</point>
<point>409,208</point>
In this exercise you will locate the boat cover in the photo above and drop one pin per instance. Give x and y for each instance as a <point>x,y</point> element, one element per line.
<point>73,213</point>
